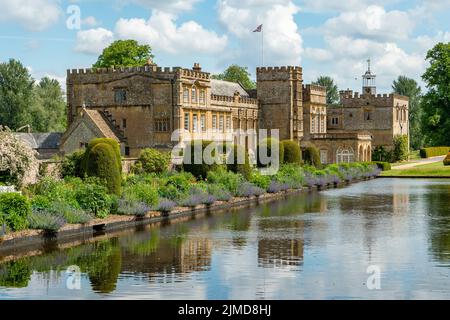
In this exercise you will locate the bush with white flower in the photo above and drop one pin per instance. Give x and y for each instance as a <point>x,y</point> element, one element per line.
<point>18,163</point>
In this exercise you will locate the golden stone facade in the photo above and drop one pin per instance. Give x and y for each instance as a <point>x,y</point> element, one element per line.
<point>143,106</point>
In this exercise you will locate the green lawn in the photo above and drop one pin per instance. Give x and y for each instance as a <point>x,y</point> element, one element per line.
<point>436,169</point>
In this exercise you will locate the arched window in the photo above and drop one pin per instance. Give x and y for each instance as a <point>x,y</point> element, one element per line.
<point>345,155</point>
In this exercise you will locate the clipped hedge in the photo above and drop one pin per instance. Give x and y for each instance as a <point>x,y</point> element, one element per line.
<point>447,160</point>
<point>311,156</point>
<point>113,143</point>
<point>384,166</point>
<point>433,152</point>
<point>14,211</point>
<point>292,152</point>
<point>199,170</point>
<point>267,143</point>
<point>233,164</point>
<point>101,162</point>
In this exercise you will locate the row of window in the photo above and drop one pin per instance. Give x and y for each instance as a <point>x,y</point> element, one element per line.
<point>196,95</point>
<point>401,115</point>
<point>317,124</point>
<point>218,122</point>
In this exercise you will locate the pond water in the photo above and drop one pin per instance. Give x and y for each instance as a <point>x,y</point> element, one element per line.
<point>309,246</point>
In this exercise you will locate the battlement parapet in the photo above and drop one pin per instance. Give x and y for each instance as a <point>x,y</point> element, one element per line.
<point>314,87</point>
<point>279,69</point>
<point>240,100</point>
<point>144,69</point>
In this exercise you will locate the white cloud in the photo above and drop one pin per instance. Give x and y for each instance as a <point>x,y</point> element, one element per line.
<point>34,15</point>
<point>282,40</point>
<point>427,42</point>
<point>163,34</point>
<point>372,22</point>
<point>318,54</point>
<point>164,5</point>
<point>93,41</point>
<point>90,22</point>
<point>322,6</point>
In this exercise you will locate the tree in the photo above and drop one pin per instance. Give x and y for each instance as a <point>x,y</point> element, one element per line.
<point>332,89</point>
<point>409,87</point>
<point>49,110</point>
<point>436,102</point>
<point>16,93</point>
<point>124,53</point>
<point>237,73</point>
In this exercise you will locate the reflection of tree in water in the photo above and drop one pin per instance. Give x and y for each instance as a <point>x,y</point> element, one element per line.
<point>239,222</point>
<point>15,274</point>
<point>102,265</point>
<point>311,202</point>
<point>437,199</point>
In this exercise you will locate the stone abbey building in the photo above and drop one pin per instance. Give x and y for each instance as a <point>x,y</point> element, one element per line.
<point>141,107</point>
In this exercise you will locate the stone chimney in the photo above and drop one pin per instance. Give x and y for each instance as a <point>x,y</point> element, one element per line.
<point>197,67</point>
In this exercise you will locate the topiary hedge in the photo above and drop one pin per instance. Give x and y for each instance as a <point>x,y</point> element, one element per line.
<point>447,160</point>
<point>14,211</point>
<point>234,163</point>
<point>311,156</point>
<point>292,152</point>
<point>113,143</point>
<point>191,153</point>
<point>433,152</point>
<point>268,143</point>
<point>101,161</point>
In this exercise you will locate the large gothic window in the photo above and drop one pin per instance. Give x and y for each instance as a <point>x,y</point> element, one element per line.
<point>345,155</point>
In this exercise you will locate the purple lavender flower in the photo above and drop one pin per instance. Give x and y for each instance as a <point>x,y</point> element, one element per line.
<point>166,205</point>
<point>248,189</point>
<point>209,199</point>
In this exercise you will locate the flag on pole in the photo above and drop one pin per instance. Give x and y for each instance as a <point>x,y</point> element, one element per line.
<point>259,28</point>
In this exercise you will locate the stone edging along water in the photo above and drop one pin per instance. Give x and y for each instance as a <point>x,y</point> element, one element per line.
<point>21,241</point>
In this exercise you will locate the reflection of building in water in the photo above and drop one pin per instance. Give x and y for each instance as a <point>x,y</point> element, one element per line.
<point>279,252</point>
<point>400,200</point>
<point>171,256</point>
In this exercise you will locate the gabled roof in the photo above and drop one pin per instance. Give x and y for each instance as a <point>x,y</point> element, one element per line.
<point>227,88</point>
<point>102,126</point>
<point>48,140</point>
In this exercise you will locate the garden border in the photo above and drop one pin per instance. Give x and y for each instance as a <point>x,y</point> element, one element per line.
<point>36,242</point>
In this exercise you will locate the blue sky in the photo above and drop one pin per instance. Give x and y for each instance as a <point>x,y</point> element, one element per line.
<point>332,38</point>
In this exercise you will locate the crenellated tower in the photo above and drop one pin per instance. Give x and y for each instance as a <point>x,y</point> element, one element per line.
<point>279,91</point>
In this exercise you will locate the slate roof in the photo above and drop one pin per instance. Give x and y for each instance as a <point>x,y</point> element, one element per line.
<point>227,88</point>
<point>48,140</point>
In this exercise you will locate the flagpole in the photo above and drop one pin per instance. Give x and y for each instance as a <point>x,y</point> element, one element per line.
<point>262,46</point>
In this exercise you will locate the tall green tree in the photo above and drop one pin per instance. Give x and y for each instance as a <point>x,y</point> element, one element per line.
<point>332,89</point>
<point>409,87</point>
<point>16,94</point>
<point>124,53</point>
<point>237,73</point>
<point>49,109</point>
<point>436,102</point>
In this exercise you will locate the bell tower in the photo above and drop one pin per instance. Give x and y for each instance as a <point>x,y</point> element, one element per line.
<point>368,86</point>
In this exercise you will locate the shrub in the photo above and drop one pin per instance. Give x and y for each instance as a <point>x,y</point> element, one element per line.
<point>14,211</point>
<point>102,163</point>
<point>44,220</point>
<point>151,161</point>
<point>433,152</point>
<point>196,153</point>
<point>141,192</point>
<point>166,205</point>
<point>267,144</point>
<point>113,143</point>
<point>292,152</point>
<point>18,164</point>
<point>447,160</point>
<point>94,198</point>
<point>219,192</point>
<point>130,207</point>
<point>229,180</point>
<point>380,154</point>
<point>401,148</point>
<point>290,174</point>
<point>311,157</point>
<point>234,163</point>
<point>72,165</point>
<point>385,166</point>
<point>248,189</point>
<point>275,187</point>
<point>259,180</point>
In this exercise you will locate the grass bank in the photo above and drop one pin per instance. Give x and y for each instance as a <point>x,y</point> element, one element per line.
<point>436,169</point>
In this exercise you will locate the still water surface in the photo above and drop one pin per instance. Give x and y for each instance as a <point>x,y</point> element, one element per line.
<point>310,246</point>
